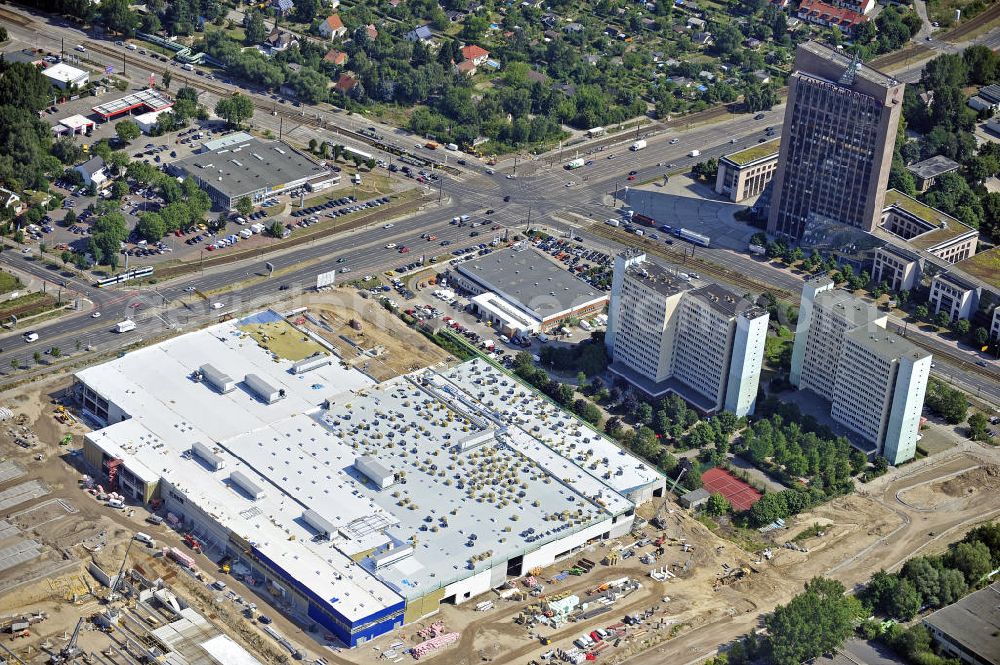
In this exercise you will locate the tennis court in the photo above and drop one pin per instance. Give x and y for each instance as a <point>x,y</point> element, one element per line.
<point>740,495</point>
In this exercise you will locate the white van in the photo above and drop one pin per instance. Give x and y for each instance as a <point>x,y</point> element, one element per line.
<point>144,538</point>
<point>187,67</point>
<point>116,503</point>
<point>30,337</point>
<point>217,305</point>
<point>356,178</point>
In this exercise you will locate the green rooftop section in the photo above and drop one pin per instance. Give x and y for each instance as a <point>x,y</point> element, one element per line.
<point>753,153</point>
<point>984,266</point>
<point>945,227</point>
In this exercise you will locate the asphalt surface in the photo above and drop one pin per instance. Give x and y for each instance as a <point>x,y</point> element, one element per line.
<point>540,188</point>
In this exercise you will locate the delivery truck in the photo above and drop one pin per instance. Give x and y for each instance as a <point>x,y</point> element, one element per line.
<point>638,145</point>
<point>575,164</point>
<point>125,326</point>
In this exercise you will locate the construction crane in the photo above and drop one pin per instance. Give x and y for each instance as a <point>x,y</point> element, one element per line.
<point>70,651</point>
<point>113,596</point>
<point>659,521</point>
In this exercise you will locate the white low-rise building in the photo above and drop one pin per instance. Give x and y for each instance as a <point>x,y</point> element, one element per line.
<point>363,506</point>
<point>64,76</point>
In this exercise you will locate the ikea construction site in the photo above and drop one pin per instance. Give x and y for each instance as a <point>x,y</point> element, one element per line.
<point>247,494</point>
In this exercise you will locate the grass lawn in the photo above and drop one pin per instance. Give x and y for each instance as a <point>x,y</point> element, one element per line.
<point>9,282</point>
<point>943,11</point>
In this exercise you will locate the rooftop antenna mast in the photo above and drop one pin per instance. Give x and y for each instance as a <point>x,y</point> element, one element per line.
<point>852,70</point>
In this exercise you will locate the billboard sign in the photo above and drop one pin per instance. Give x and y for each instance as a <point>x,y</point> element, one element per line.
<point>325,279</point>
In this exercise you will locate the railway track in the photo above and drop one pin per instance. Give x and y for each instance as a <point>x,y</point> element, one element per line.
<point>986,16</point>
<point>16,19</point>
<point>680,257</point>
<point>310,119</point>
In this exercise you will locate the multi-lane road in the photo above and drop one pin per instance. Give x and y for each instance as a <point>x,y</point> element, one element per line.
<point>540,187</point>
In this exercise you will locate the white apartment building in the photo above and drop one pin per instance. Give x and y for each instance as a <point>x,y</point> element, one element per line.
<point>825,317</point>
<point>995,325</point>
<point>705,344</point>
<point>874,380</point>
<point>879,394</point>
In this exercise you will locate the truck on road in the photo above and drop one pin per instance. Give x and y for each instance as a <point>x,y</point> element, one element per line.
<point>638,145</point>
<point>125,326</point>
<point>692,237</point>
<point>575,164</point>
<point>694,153</point>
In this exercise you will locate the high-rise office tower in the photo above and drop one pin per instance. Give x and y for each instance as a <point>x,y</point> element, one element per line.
<point>836,144</point>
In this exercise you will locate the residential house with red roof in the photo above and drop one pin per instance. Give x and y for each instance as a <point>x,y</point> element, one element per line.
<point>475,54</point>
<point>335,57</point>
<point>332,27</point>
<point>821,13</point>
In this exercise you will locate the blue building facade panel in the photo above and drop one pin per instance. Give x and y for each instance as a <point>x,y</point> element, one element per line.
<point>324,611</point>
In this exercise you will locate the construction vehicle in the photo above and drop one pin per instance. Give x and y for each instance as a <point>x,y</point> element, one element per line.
<point>66,440</point>
<point>70,651</point>
<point>192,542</point>
<point>659,520</point>
<point>225,563</point>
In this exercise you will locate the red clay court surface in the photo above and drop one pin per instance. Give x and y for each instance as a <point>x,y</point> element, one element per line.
<point>740,495</point>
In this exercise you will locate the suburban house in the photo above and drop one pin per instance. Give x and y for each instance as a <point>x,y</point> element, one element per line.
<point>466,67</point>
<point>9,199</point>
<point>335,57</point>
<point>279,40</point>
<point>283,7</point>
<point>332,27</point>
<point>821,13</point>
<point>345,84</point>
<point>477,55</point>
<point>94,172</point>
<point>371,31</point>
<point>421,34</point>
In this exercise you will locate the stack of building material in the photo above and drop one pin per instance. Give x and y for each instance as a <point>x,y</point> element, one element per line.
<point>435,643</point>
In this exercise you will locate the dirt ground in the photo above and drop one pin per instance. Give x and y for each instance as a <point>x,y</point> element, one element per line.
<point>383,347</point>
<point>920,508</point>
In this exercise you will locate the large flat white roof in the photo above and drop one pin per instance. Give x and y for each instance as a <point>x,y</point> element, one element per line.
<point>485,468</point>
<point>63,72</point>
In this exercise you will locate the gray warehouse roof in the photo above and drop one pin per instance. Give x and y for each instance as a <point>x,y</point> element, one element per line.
<point>529,278</point>
<point>236,170</point>
<point>973,623</point>
<point>933,167</point>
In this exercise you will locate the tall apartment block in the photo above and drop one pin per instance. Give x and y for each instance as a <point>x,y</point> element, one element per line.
<point>705,344</point>
<point>874,380</point>
<point>836,143</point>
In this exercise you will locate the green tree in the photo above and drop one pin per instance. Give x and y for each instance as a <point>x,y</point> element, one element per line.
<point>921,312</point>
<point>276,229</point>
<point>15,364</point>
<point>166,77</point>
<point>973,560</point>
<point>942,319</point>
<point>127,131</point>
<point>981,336</point>
<point>718,505</point>
<point>37,355</point>
<point>961,327</point>
<point>151,226</point>
<point>815,622</point>
<point>904,602</point>
<point>235,109</point>
<point>22,86</point>
<point>978,427</point>
<point>254,28</point>
<point>55,351</point>
<point>119,17</point>
<point>244,206</point>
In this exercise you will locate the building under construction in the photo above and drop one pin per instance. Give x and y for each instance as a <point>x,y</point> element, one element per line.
<point>362,505</point>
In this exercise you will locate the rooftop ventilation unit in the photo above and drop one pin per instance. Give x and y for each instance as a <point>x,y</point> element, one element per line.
<point>244,482</point>
<point>391,556</point>
<point>208,456</point>
<point>324,526</point>
<point>315,361</point>
<point>213,377</point>
<point>262,389</point>
<point>375,471</point>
